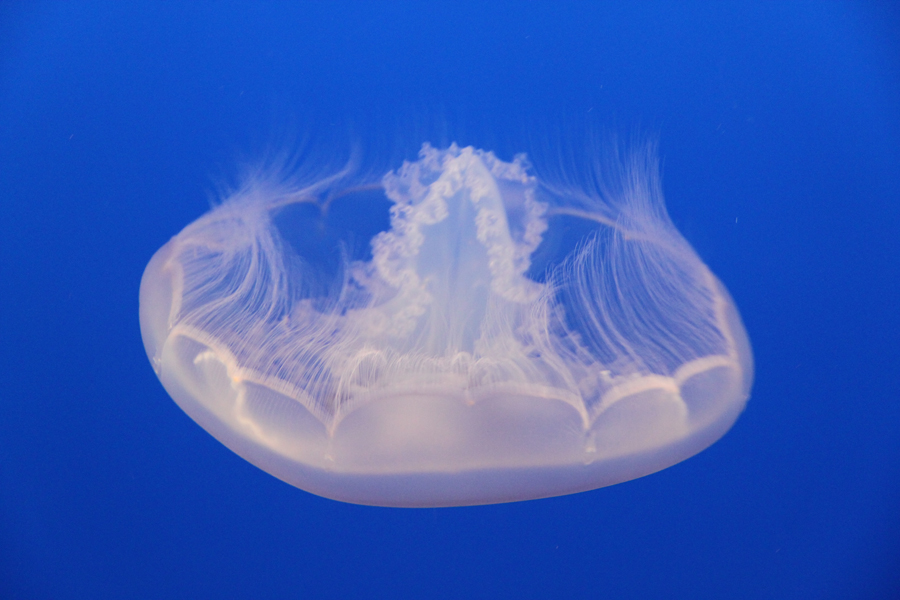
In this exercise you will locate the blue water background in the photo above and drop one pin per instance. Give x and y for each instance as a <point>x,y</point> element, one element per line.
<point>779,130</point>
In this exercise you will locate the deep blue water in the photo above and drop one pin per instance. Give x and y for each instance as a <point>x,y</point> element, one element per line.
<point>779,129</point>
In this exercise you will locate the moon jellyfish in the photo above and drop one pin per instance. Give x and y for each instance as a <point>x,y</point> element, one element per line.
<point>462,332</point>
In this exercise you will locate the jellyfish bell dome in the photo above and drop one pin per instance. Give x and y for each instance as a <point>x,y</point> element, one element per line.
<point>460,333</point>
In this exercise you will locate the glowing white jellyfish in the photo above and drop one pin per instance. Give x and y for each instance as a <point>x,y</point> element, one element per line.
<point>499,339</point>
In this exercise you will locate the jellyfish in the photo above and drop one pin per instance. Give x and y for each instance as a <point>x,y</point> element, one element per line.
<point>460,332</point>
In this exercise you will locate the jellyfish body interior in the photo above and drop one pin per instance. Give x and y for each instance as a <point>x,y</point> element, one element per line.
<point>476,336</point>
